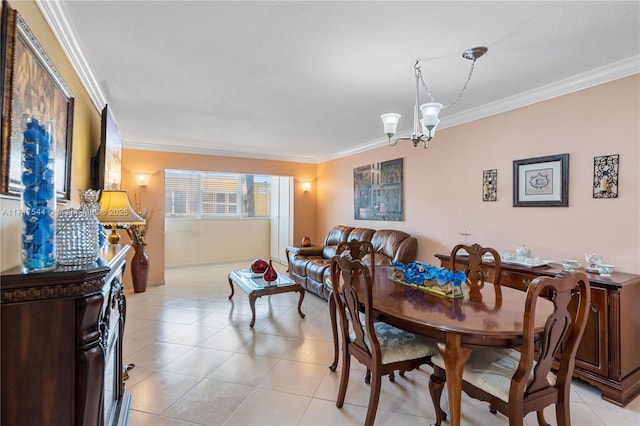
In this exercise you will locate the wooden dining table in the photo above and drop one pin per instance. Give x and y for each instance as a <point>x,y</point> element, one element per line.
<point>490,317</point>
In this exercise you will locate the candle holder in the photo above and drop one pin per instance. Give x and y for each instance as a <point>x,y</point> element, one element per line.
<point>605,176</point>
<point>490,185</point>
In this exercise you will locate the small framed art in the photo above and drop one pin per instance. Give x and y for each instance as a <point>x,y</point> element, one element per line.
<point>541,181</point>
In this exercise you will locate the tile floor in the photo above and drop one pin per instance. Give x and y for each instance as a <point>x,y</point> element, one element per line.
<point>198,363</point>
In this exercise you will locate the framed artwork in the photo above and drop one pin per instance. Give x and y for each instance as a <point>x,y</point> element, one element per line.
<point>541,182</point>
<point>32,85</point>
<point>377,191</point>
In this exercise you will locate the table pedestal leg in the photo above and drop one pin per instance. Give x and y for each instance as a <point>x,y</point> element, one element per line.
<point>455,356</point>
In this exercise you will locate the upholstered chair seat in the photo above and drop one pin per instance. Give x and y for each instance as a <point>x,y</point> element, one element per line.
<point>492,370</point>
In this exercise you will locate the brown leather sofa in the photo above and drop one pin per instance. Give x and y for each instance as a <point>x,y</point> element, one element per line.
<point>310,266</point>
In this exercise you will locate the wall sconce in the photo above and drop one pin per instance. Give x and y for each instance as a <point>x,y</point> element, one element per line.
<point>490,185</point>
<point>142,179</point>
<point>306,186</point>
<point>605,176</point>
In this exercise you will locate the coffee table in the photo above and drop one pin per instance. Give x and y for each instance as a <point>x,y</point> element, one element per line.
<point>255,286</point>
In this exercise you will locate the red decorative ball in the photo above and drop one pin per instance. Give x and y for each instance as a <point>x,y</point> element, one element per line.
<point>259,266</point>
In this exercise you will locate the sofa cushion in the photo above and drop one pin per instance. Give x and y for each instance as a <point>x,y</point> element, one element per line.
<point>361,234</point>
<point>336,235</point>
<point>318,269</point>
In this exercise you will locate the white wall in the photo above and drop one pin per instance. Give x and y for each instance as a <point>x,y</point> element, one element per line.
<point>192,242</point>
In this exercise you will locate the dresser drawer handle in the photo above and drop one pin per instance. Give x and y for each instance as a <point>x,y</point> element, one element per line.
<point>526,282</point>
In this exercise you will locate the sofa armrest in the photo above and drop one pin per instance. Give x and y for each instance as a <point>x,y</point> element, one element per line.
<point>304,251</point>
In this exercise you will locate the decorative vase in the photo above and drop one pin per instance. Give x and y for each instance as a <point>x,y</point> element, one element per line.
<point>77,231</point>
<point>306,242</point>
<point>270,274</point>
<point>139,269</point>
<point>38,195</point>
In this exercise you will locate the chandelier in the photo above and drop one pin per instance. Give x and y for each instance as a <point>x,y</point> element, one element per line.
<point>425,128</point>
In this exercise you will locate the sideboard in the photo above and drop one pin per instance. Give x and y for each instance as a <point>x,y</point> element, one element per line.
<point>608,356</point>
<point>61,336</point>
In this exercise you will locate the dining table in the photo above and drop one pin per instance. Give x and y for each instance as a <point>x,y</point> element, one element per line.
<point>487,317</point>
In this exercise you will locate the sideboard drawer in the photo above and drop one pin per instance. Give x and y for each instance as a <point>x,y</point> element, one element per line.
<point>516,279</point>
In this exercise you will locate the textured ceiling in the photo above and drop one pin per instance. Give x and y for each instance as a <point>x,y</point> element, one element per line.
<point>308,80</point>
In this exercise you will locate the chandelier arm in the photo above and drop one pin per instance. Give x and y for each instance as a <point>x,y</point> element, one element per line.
<point>418,73</point>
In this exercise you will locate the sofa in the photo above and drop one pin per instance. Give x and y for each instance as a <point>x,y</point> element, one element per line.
<point>310,266</point>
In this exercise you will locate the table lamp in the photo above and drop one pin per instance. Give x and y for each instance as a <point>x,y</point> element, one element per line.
<point>116,210</point>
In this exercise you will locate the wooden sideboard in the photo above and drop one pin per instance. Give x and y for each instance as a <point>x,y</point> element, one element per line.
<point>608,356</point>
<point>61,336</point>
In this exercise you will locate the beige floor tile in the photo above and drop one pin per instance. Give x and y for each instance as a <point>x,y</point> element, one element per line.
<point>192,335</point>
<point>228,339</point>
<point>267,407</point>
<point>210,402</point>
<point>157,392</point>
<point>138,418</point>
<point>157,355</point>
<point>198,362</point>
<point>294,377</point>
<point>244,369</point>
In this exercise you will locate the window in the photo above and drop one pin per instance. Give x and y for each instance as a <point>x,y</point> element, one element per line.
<point>201,195</point>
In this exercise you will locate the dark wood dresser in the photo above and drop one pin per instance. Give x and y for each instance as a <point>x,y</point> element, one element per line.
<point>61,353</point>
<point>609,354</point>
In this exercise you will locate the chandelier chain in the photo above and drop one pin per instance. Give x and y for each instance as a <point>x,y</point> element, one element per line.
<point>466,83</point>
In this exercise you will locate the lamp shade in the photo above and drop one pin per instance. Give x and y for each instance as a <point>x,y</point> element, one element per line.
<point>390,122</point>
<point>430,114</point>
<point>115,208</point>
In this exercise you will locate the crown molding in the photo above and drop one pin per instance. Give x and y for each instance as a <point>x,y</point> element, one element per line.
<point>614,71</point>
<point>142,146</point>
<point>55,15</point>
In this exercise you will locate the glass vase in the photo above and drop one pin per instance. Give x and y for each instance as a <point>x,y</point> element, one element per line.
<point>38,194</point>
<point>78,231</point>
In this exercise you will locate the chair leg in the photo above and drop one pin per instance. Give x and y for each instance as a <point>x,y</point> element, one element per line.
<point>374,397</point>
<point>541,420</point>
<point>436,385</point>
<point>367,376</point>
<point>401,373</point>
<point>334,330</point>
<point>392,377</point>
<point>344,378</point>
<point>563,414</point>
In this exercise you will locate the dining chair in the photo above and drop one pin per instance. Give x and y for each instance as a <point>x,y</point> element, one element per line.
<point>517,382</point>
<point>379,346</point>
<point>354,249</point>
<point>478,266</point>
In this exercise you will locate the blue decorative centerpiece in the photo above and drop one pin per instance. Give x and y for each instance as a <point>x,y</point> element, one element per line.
<point>38,195</point>
<point>432,279</point>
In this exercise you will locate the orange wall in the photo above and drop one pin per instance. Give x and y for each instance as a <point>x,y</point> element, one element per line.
<point>443,184</point>
<point>154,163</point>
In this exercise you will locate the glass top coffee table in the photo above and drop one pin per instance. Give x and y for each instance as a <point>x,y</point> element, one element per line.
<point>255,287</point>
